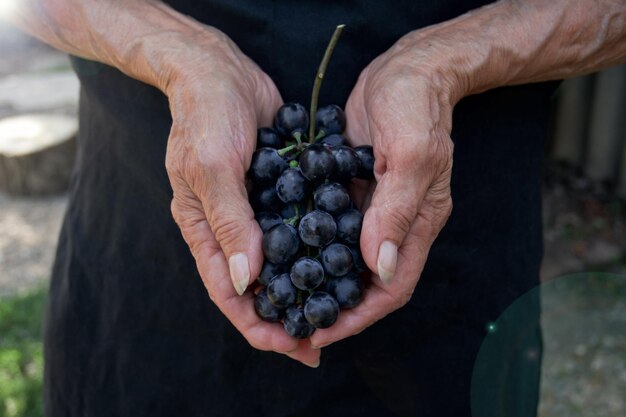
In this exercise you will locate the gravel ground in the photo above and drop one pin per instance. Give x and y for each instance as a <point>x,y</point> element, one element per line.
<point>584,363</point>
<point>29,228</point>
<point>584,372</point>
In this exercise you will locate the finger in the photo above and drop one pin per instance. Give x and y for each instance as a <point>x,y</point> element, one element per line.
<point>222,192</point>
<point>213,269</point>
<point>387,221</point>
<point>381,299</point>
<point>306,354</point>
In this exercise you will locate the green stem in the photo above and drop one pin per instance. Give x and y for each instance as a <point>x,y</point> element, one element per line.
<point>298,137</point>
<point>317,84</point>
<point>283,151</point>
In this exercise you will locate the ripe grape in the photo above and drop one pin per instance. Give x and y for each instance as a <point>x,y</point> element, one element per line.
<point>321,310</point>
<point>330,119</point>
<point>337,259</point>
<point>289,117</point>
<point>317,228</point>
<point>307,273</point>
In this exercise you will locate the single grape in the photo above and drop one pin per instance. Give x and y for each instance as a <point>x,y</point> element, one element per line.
<point>289,117</point>
<point>281,291</point>
<point>331,197</point>
<point>349,225</point>
<point>291,186</point>
<point>337,259</point>
<point>281,244</point>
<point>266,137</point>
<point>347,290</point>
<point>330,119</point>
<point>321,310</point>
<point>346,163</point>
<point>366,157</point>
<point>317,163</point>
<point>267,220</point>
<point>265,199</point>
<point>269,271</point>
<point>265,309</point>
<point>266,166</point>
<point>307,273</point>
<point>333,140</point>
<point>295,323</point>
<point>317,228</point>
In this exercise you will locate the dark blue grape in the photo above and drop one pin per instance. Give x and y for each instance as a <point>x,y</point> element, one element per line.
<point>265,199</point>
<point>307,273</point>
<point>295,323</point>
<point>349,225</point>
<point>347,290</point>
<point>267,137</point>
<point>366,157</point>
<point>317,228</point>
<point>333,140</point>
<point>281,244</point>
<point>321,310</point>
<point>265,309</point>
<point>281,291</point>
<point>337,259</point>
<point>269,271</point>
<point>289,117</point>
<point>346,163</point>
<point>330,119</point>
<point>266,166</point>
<point>331,197</point>
<point>317,163</point>
<point>291,186</point>
<point>267,220</point>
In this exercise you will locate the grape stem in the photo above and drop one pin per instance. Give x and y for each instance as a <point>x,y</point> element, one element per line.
<point>283,151</point>
<point>319,77</point>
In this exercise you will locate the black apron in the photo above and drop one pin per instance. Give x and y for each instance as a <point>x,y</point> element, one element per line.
<point>130,330</point>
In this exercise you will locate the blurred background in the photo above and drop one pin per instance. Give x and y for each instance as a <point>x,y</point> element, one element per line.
<point>584,371</point>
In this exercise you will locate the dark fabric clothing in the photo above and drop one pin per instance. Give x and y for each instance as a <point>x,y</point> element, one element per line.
<point>130,330</point>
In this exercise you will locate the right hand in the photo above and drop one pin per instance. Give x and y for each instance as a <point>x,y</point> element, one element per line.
<point>218,99</point>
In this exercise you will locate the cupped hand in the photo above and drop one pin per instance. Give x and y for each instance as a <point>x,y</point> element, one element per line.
<point>218,99</point>
<point>402,106</point>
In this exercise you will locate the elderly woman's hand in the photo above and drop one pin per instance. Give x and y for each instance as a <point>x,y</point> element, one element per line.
<point>218,98</point>
<point>402,105</point>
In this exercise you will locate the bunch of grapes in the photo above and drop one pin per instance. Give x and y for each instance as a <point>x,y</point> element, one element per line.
<point>311,230</point>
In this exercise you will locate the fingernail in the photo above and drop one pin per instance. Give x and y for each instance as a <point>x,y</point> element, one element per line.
<point>239,271</point>
<point>387,260</point>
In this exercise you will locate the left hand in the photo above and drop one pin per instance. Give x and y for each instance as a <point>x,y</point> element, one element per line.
<point>402,106</point>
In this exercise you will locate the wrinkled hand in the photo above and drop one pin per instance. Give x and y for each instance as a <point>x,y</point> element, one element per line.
<point>402,106</point>
<point>218,99</point>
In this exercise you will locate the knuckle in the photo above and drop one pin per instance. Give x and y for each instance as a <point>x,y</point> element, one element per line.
<point>227,225</point>
<point>400,219</point>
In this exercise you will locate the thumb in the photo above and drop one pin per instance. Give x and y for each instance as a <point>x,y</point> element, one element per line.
<point>387,221</point>
<point>231,219</point>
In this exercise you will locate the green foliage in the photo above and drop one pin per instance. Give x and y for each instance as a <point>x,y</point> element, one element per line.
<point>21,356</point>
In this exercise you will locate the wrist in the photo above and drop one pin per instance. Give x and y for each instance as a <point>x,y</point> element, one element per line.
<point>510,42</point>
